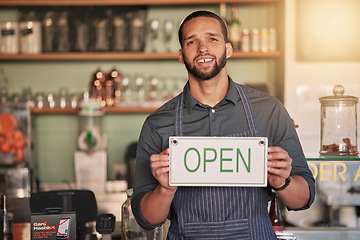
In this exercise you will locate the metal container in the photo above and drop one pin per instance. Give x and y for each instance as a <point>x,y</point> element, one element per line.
<point>338,124</point>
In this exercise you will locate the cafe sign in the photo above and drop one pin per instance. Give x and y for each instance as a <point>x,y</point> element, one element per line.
<point>218,161</point>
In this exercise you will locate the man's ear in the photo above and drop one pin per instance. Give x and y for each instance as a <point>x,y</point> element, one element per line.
<point>229,50</point>
<point>181,58</point>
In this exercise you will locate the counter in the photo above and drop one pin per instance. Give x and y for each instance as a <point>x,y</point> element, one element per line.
<point>325,233</point>
<point>337,188</point>
<point>22,232</point>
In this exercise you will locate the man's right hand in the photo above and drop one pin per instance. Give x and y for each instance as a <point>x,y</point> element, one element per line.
<point>155,205</point>
<point>159,164</point>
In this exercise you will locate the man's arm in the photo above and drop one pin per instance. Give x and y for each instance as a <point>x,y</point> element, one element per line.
<point>297,194</point>
<point>155,205</point>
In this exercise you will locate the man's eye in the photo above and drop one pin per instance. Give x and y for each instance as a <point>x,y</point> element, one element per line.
<point>213,39</point>
<point>190,42</point>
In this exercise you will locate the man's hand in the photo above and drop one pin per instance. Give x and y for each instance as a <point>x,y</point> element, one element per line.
<point>155,205</point>
<point>297,194</point>
<point>279,166</point>
<point>159,164</point>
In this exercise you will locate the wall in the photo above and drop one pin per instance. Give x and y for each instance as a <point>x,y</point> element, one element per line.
<point>305,82</point>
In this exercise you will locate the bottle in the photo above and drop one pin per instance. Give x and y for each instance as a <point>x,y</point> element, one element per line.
<point>235,29</point>
<point>222,10</point>
<point>116,75</point>
<point>153,92</point>
<point>140,89</point>
<point>126,91</point>
<point>97,86</point>
<point>109,96</point>
<point>275,214</point>
<point>264,40</point>
<point>272,40</point>
<point>112,90</point>
<point>130,229</point>
<point>255,40</point>
<point>6,221</point>
<point>245,37</point>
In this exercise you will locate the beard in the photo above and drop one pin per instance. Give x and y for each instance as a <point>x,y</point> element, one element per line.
<point>198,73</point>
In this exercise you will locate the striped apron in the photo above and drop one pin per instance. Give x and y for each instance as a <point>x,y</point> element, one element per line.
<point>220,212</point>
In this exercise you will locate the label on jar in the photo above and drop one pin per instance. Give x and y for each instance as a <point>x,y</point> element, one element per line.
<point>26,31</point>
<point>7,32</point>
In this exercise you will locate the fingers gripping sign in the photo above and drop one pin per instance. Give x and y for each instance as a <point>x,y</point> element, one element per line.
<point>159,164</point>
<point>279,166</point>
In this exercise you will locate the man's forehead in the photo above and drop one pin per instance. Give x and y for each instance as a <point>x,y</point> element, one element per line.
<point>192,29</point>
<point>202,19</point>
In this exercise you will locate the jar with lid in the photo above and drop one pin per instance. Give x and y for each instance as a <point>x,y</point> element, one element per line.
<point>338,124</point>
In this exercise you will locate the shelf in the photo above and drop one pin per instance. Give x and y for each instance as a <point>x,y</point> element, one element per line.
<point>69,110</point>
<point>90,56</point>
<point>333,158</point>
<point>120,2</point>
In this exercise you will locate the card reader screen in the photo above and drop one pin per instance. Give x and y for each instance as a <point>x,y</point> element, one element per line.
<point>63,229</point>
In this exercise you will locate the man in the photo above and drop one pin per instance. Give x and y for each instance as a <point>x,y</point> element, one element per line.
<point>212,104</point>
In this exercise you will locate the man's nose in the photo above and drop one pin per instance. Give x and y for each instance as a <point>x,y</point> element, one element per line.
<point>203,47</point>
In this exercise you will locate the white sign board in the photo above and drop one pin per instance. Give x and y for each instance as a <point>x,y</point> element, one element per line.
<point>218,161</point>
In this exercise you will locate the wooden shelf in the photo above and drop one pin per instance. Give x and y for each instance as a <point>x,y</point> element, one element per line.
<point>69,110</point>
<point>131,109</point>
<point>120,2</point>
<point>90,56</point>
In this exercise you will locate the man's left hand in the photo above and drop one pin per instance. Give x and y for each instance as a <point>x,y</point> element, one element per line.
<point>279,166</point>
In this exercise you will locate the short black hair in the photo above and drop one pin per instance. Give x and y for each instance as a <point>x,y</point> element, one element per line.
<point>204,13</point>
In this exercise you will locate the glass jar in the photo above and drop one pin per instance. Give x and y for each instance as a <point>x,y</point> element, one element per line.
<point>338,124</point>
<point>130,229</point>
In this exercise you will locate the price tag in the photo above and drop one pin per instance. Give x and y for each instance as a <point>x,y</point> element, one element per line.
<point>218,161</point>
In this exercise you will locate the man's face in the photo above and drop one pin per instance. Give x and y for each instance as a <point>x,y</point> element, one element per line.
<point>204,50</point>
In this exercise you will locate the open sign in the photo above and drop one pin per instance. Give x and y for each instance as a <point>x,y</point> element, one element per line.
<point>218,161</point>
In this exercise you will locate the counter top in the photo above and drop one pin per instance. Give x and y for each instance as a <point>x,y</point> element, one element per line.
<point>332,233</point>
<point>331,197</point>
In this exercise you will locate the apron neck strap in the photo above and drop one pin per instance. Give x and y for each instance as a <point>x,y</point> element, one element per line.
<point>244,100</point>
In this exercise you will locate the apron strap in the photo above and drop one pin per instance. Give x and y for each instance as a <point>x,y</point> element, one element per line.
<point>247,108</point>
<point>244,100</point>
<point>179,116</point>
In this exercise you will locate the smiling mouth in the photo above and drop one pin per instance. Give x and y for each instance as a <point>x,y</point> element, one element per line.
<point>205,60</point>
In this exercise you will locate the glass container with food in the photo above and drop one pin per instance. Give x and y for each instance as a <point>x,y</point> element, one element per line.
<point>338,123</point>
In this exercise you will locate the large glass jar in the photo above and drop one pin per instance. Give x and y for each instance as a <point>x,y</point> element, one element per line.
<point>130,229</point>
<point>338,123</point>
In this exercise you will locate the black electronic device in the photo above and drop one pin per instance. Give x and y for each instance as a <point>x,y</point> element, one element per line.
<point>105,223</point>
<point>82,202</point>
<point>68,201</point>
